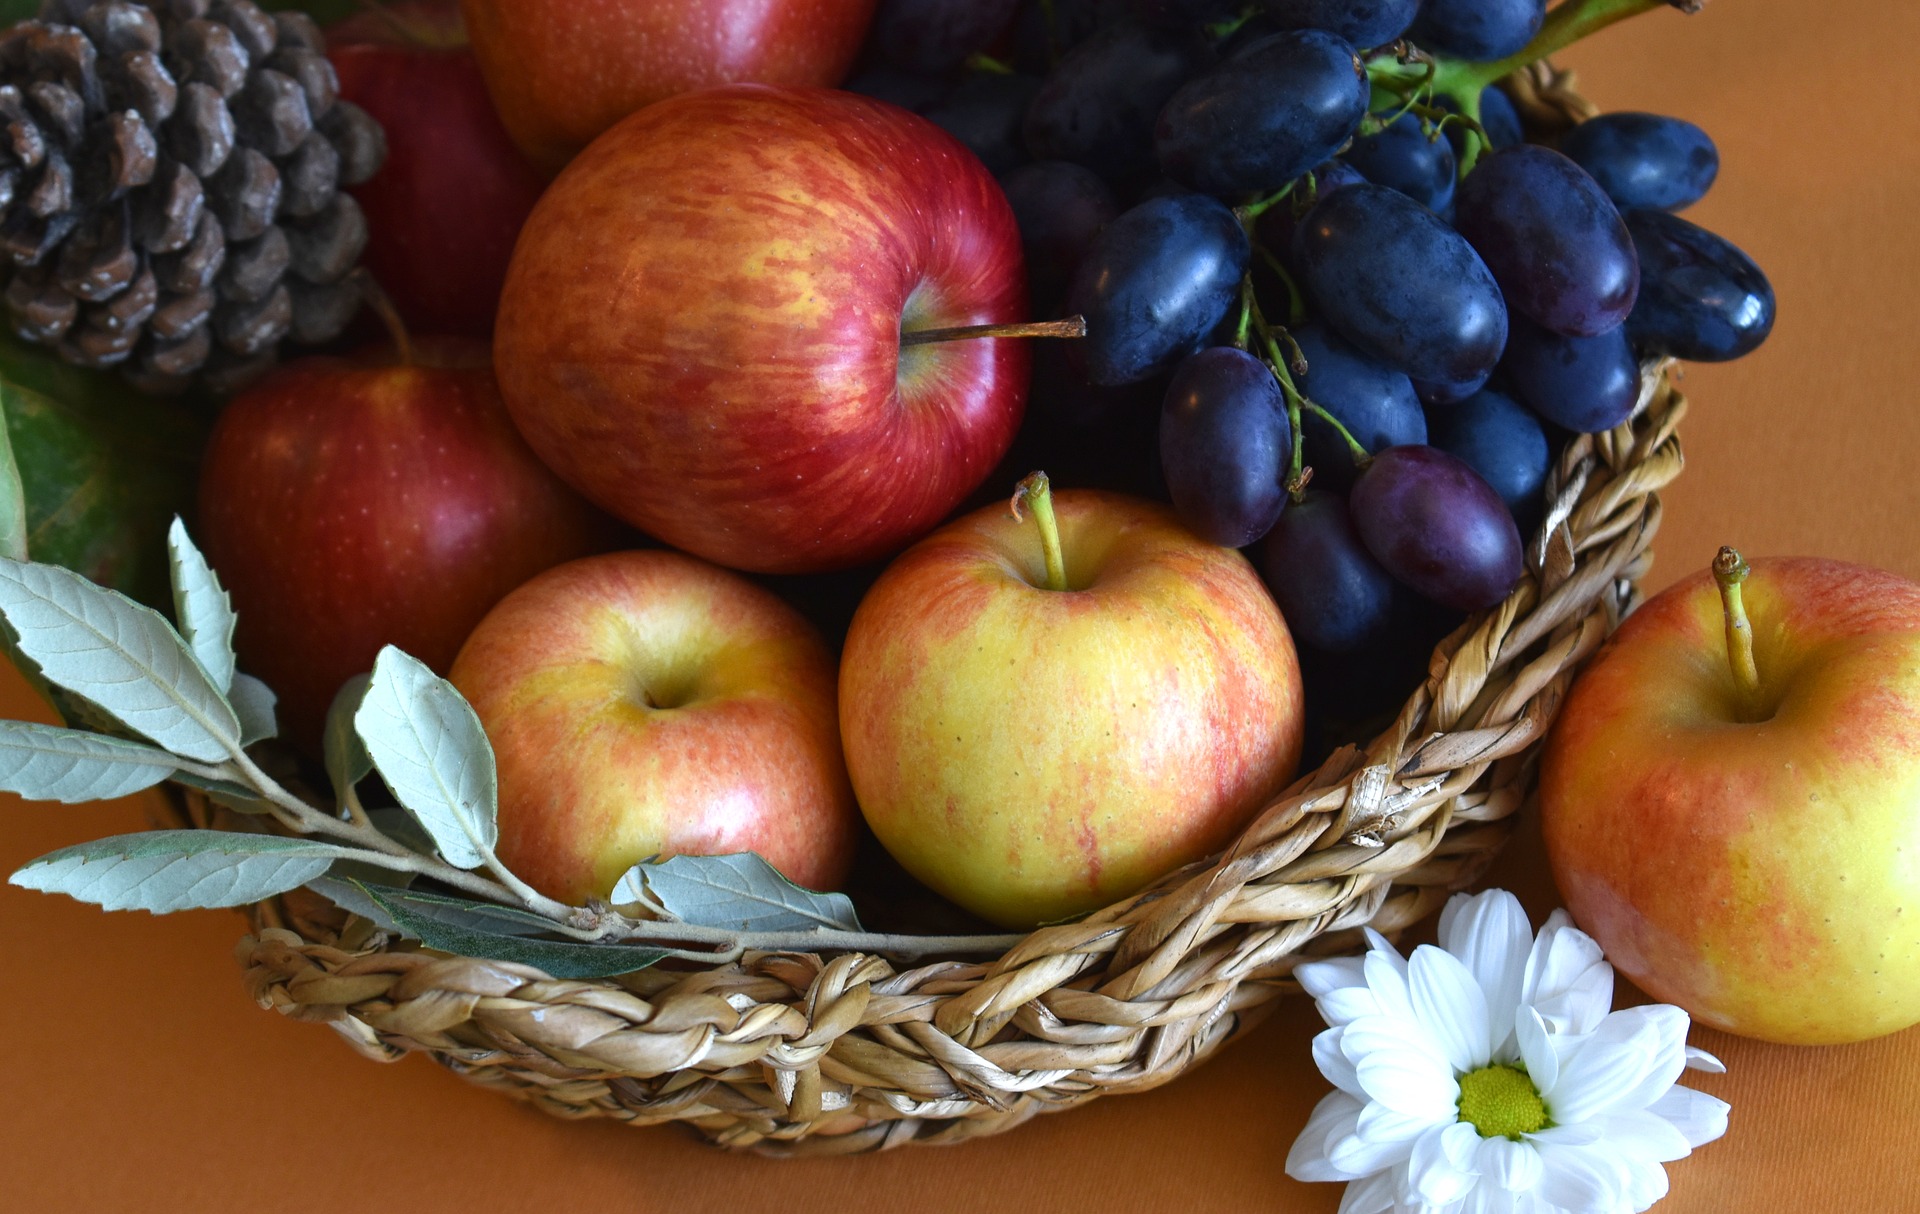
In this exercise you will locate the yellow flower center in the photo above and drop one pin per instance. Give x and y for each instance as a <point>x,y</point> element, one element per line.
<point>1501,1102</point>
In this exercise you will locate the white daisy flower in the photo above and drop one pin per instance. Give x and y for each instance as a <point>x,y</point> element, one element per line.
<point>1488,1076</point>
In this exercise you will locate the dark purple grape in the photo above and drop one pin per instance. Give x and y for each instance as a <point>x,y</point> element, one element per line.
<point>1225,446</point>
<point>1401,285</point>
<point>1478,29</point>
<point>1583,384</point>
<point>1433,523</point>
<point>1645,160</point>
<point>908,90</point>
<point>1552,237</point>
<point>1060,208</point>
<point>1186,12</point>
<point>1098,107</point>
<point>1265,116</point>
<point>1372,400</point>
<point>986,111</point>
<point>1403,158</point>
<point>1364,23</point>
<point>1277,224</point>
<point>1703,298</point>
<point>1334,596</point>
<point>1044,32</point>
<point>1498,438</point>
<point>1154,283</point>
<point>1438,395</point>
<point>1499,119</point>
<point>936,36</point>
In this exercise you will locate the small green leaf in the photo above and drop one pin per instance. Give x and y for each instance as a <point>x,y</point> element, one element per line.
<point>13,500</point>
<point>348,762</point>
<point>170,870</point>
<point>740,892</point>
<point>121,656</point>
<point>562,959</point>
<point>341,886</point>
<point>430,749</point>
<point>253,702</point>
<point>201,606</point>
<point>48,764</point>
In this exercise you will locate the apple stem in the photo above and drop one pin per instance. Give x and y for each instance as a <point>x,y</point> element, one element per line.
<point>1037,491</point>
<point>1072,326</point>
<point>1730,573</point>
<point>382,305</point>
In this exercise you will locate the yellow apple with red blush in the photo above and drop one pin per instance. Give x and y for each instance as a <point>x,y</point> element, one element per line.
<point>1731,799</point>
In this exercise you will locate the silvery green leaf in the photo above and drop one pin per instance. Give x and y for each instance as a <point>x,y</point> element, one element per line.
<point>561,958</point>
<point>348,762</point>
<point>48,764</point>
<point>253,702</point>
<point>342,886</point>
<point>402,827</point>
<point>743,892</point>
<point>466,913</point>
<point>121,656</point>
<point>201,605</point>
<point>430,749</point>
<point>13,498</point>
<point>170,870</point>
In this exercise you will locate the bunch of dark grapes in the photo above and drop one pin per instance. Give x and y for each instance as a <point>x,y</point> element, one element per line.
<point>1315,237</point>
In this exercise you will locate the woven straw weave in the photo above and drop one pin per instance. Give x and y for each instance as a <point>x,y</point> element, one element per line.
<point>795,1054</point>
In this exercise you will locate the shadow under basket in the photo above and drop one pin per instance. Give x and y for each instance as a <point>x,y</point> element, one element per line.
<point>787,1053</point>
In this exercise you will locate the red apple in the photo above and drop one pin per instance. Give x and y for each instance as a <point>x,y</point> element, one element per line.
<point>1750,849</point>
<point>449,201</point>
<point>350,504</point>
<point>645,703</point>
<point>1034,753</point>
<point>701,329</point>
<point>562,71</point>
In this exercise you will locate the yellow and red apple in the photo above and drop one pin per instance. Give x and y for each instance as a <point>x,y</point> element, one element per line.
<point>1751,850</point>
<point>1033,753</point>
<point>646,703</point>
<point>702,326</point>
<point>562,71</point>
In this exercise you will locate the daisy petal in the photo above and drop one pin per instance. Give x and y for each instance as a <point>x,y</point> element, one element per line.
<point>1639,1134</point>
<point>1449,1003</point>
<point>1387,978</point>
<point>1669,1060</point>
<point>1646,1183</point>
<point>1381,1139</point>
<point>1435,1171</point>
<point>1399,1070</point>
<point>1336,1066</point>
<point>1699,1060</point>
<point>1506,1164</point>
<point>1369,1196</point>
<point>1537,1051</point>
<point>1607,1068</point>
<point>1566,1136</point>
<point>1317,978</point>
<point>1579,1178</point>
<point>1347,1004</point>
<point>1333,1120</point>
<point>1560,978</point>
<point>1490,934</point>
<point>1702,1118</point>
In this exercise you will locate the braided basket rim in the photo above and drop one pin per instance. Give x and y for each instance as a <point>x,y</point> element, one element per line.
<point>786,1053</point>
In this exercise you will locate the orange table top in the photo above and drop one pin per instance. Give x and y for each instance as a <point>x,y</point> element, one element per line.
<point>141,1078</point>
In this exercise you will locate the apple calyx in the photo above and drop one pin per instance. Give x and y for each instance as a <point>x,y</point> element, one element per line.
<point>1730,572</point>
<point>1072,326</point>
<point>1036,490</point>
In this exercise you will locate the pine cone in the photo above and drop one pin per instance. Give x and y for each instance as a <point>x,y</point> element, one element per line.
<point>170,186</point>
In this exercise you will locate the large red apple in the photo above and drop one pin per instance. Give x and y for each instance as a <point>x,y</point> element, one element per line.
<point>562,71</point>
<point>701,329</point>
<point>1034,753</point>
<point>1752,855</point>
<point>448,202</point>
<point>350,504</point>
<point>645,703</point>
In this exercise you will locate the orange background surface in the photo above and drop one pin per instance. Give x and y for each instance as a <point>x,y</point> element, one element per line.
<point>137,1075</point>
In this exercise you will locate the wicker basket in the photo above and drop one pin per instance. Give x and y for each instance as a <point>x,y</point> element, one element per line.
<point>824,1054</point>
